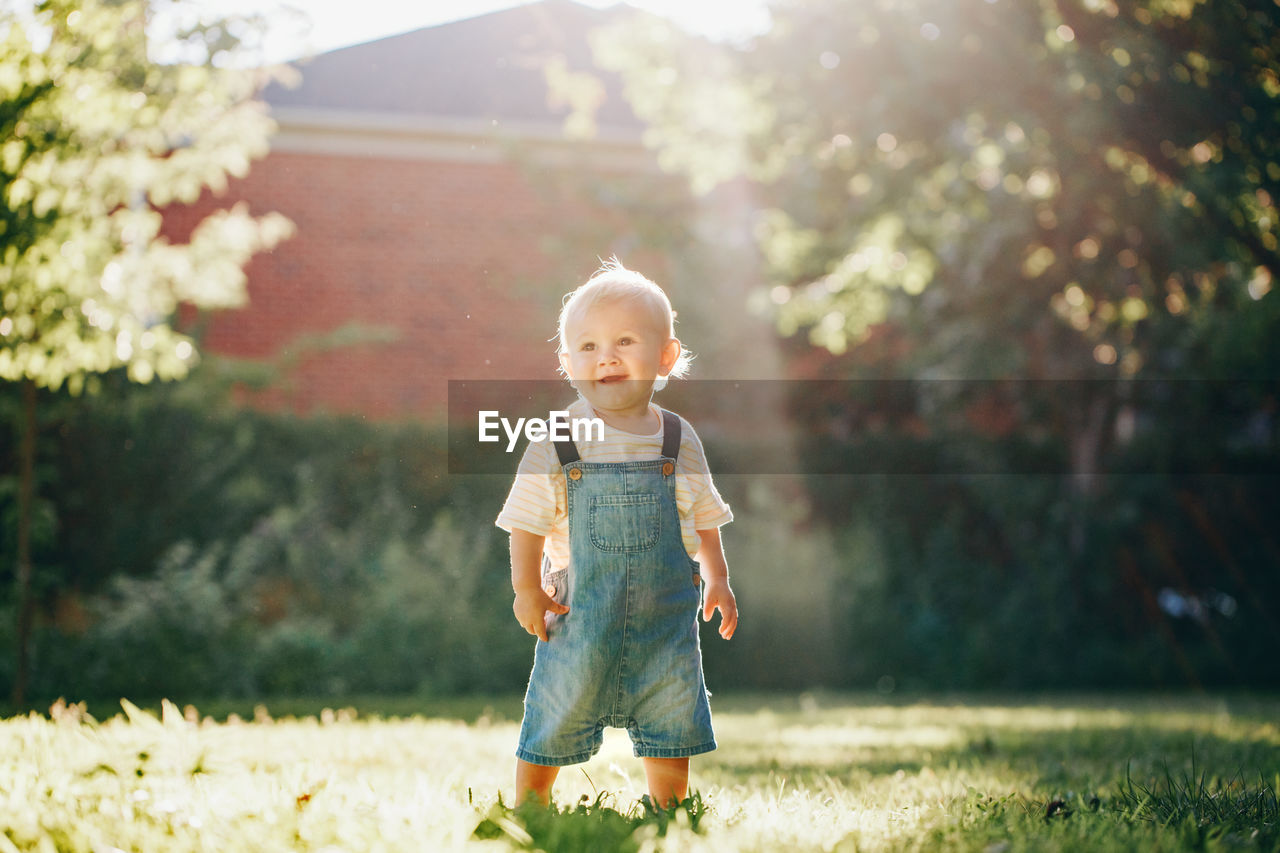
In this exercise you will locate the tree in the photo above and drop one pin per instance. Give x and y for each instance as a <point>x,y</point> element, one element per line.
<point>1077,191</point>
<point>97,139</point>
<point>1060,188</point>
<point>1054,190</point>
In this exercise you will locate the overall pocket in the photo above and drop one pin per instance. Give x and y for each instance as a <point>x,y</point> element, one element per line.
<point>625,524</point>
<point>556,585</point>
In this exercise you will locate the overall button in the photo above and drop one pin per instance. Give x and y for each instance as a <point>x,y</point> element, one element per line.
<point>667,468</point>
<point>575,473</point>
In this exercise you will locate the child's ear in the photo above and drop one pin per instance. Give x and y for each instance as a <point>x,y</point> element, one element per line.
<point>670,354</point>
<point>565,365</point>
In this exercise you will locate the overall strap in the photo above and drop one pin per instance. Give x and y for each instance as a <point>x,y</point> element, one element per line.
<point>670,435</point>
<point>567,451</point>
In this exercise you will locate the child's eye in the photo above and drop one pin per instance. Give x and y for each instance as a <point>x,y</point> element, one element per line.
<point>588,347</point>
<point>625,341</point>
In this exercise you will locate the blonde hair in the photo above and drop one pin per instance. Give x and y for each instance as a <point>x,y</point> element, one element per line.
<point>615,283</point>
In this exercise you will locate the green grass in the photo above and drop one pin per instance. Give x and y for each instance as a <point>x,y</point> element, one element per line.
<point>810,772</point>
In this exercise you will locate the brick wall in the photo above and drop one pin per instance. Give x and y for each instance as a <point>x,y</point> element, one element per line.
<point>448,257</point>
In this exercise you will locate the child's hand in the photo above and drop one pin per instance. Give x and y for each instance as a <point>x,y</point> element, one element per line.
<point>531,606</point>
<point>718,596</point>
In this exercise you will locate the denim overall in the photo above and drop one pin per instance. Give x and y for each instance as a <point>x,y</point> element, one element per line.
<point>626,654</point>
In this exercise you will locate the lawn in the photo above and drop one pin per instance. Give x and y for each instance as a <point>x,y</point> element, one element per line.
<point>808,772</point>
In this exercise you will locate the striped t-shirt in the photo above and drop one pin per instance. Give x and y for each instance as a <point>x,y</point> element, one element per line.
<point>537,501</point>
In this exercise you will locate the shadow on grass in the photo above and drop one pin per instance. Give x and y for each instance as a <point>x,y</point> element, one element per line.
<point>1089,775</point>
<point>1067,741</point>
<point>1076,758</point>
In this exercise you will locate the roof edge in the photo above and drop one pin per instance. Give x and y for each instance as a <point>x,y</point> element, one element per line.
<point>450,139</point>
<point>394,123</point>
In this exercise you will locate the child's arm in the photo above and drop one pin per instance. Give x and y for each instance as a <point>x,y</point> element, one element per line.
<point>715,575</point>
<point>532,603</point>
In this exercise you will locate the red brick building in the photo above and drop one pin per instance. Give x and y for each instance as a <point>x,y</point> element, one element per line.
<point>438,211</point>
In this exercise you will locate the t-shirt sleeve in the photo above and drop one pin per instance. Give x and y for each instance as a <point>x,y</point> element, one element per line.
<point>531,503</point>
<point>708,509</point>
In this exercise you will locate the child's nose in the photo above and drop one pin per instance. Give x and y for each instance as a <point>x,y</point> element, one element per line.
<point>608,355</point>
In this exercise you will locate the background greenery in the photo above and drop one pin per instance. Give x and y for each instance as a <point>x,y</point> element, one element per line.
<point>1031,245</point>
<point>188,547</point>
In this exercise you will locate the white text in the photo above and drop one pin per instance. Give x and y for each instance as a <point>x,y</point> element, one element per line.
<point>557,427</point>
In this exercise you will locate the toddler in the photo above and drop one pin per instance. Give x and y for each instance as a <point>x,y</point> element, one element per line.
<point>603,544</point>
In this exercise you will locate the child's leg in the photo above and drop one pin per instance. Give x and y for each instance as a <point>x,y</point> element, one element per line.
<point>534,781</point>
<point>668,780</point>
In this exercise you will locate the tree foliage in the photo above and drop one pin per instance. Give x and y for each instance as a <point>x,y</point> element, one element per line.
<point>1045,189</point>
<point>97,139</point>
<point>1076,191</point>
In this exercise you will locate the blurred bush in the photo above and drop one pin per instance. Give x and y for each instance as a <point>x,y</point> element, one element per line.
<point>1017,581</point>
<point>196,548</point>
<point>189,548</point>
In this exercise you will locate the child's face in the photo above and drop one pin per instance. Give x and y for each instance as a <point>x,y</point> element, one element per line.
<point>614,351</point>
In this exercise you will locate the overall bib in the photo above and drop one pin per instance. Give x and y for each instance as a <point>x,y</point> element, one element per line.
<point>627,653</point>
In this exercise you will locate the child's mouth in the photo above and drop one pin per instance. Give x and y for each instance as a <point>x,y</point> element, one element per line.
<point>609,380</point>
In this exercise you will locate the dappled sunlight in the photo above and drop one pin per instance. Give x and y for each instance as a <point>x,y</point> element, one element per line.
<point>982,298</point>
